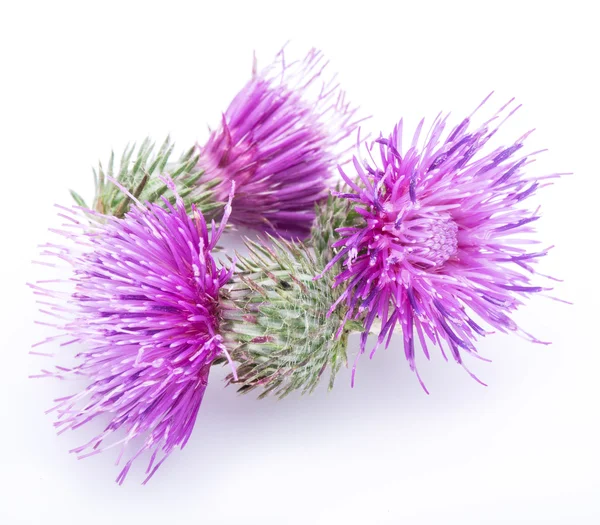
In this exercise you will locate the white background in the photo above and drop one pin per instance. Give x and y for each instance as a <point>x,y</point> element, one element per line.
<point>80,78</point>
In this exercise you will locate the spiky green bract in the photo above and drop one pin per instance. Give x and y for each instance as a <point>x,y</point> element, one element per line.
<point>277,325</point>
<point>331,214</point>
<point>143,172</point>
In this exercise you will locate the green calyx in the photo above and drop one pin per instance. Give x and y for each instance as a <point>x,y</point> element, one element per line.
<point>279,327</point>
<point>331,214</point>
<point>144,174</point>
<point>276,323</point>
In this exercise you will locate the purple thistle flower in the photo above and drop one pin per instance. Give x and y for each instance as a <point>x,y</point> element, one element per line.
<point>277,141</point>
<point>145,307</point>
<point>443,242</point>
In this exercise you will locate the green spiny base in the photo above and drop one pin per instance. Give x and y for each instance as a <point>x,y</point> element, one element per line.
<point>143,176</point>
<point>276,326</point>
<point>331,214</point>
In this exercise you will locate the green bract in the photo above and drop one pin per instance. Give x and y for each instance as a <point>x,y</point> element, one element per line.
<point>142,173</point>
<point>277,325</point>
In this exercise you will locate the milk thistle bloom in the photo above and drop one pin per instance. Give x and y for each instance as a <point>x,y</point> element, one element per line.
<point>145,310</point>
<point>279,140</point>
<point>444,241</point>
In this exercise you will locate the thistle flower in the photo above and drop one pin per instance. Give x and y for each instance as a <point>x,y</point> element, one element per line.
<point>277,141</point>
<point>276,326</point>
<point>444,241</point>
<point>145,309</point>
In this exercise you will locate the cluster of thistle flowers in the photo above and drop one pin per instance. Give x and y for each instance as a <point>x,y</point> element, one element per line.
<point>427,238</point>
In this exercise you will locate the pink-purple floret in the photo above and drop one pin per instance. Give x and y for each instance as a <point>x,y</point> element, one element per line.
<point>443,245</point>
<point>145,310</point>
<point>279,141</point>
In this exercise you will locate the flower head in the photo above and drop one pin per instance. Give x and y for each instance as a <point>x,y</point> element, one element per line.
<point>278,142</point>
<point>144,306</point>
<point>444,239</point>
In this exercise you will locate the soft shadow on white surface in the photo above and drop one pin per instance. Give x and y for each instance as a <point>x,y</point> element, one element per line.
<point>82,78</point>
